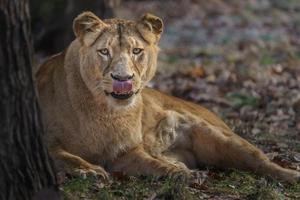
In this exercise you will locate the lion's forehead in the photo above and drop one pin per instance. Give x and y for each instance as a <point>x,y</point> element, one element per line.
<point>110,40</point>
<point>125,32</point>
<point>121,25</point>
<point>124,22</point>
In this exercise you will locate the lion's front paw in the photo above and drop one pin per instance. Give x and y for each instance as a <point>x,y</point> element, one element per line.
<point>179,174</point>
<point>95,171</point>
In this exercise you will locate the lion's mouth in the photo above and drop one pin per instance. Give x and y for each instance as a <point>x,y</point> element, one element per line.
<point>121,96</point>
<point>122,89</point>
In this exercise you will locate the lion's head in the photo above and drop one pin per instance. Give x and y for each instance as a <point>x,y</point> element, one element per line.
<point>117,57</point>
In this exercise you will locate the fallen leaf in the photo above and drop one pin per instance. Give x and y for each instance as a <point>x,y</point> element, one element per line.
<point>195,72</point>
<point>297,157</point>
<point>272,155</point>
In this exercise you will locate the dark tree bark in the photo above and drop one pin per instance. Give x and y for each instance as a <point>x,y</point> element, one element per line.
<point>25,168</point>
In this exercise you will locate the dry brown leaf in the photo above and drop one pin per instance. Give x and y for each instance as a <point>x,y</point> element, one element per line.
<point>196,72</point>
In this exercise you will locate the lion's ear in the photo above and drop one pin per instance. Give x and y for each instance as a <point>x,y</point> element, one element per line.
<point>87,26</point>
<point>150,27</point>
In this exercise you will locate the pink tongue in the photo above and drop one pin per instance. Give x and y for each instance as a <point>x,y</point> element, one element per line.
<point>122,86</point>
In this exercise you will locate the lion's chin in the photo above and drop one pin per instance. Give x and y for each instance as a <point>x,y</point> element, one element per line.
<point>121,104</point>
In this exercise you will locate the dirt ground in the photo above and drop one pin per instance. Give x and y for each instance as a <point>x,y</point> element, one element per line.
<point>240,59</point>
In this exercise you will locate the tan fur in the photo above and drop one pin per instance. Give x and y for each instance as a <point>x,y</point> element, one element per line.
<point>150,133</point>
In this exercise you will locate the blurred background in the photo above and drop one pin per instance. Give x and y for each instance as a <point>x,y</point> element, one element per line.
<point>238,58</point>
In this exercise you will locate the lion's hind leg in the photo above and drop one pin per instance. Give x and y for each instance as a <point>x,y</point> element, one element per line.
<point>224,149</point>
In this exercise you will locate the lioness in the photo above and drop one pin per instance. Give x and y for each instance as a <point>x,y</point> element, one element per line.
<point>100,117</point>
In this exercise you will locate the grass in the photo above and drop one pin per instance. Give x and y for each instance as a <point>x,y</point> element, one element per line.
<point>247,186</point>
<point>131,188</point>
<point>267,59</point>
<point>230,184</point>
<point>238,100</point>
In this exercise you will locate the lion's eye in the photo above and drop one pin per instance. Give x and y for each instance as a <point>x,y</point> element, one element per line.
<point>137,51</point>
<point>104,52</point>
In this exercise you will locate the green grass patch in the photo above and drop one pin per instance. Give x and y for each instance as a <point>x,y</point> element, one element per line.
<point>238,100</point>
<point>267,59</point>
<point>131,188</point>
<point>229,184</point>
<point>78,188</point>
<point>246,185</point>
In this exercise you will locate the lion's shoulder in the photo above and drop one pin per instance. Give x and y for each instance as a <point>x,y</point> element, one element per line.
<point>45,71</point>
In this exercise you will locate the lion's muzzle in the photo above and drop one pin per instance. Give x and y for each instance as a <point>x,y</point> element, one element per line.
<point>122,87</point>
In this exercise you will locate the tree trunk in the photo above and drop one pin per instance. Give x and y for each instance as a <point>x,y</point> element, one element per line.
<point>25,168</point>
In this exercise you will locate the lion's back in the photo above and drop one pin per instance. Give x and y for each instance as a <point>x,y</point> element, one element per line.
<point>45,72</point>
<point>153,98</point>
<point>46,80</point>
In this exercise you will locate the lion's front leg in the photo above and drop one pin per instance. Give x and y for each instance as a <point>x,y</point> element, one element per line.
<point>77,165</point>
<point>139,162</point>
<point>224,149</point>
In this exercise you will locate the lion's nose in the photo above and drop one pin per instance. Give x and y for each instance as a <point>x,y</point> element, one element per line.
<point>122,78</point>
